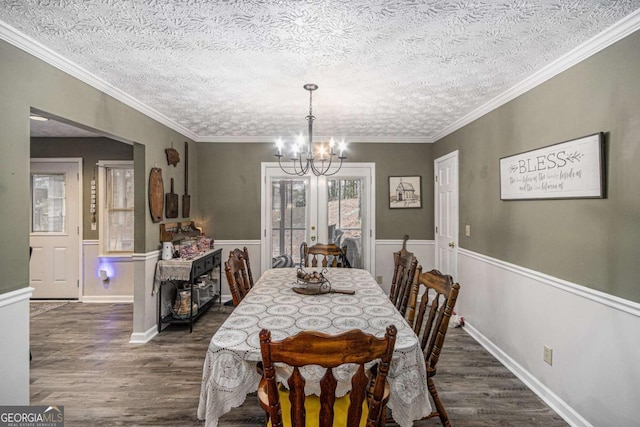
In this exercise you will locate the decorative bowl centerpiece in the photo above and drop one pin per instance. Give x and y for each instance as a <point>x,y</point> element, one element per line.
<point>315,283</point>
<point>314,277</point>
<point>311,283</point>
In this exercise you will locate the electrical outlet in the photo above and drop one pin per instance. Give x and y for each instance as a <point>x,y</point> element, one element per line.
<point>379,280</point>
<point>548,354</point>
<point>467,230</point>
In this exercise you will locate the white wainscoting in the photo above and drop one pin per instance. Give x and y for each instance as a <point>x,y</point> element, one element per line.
<point>145,305</point>
<point>513,312</point>
<point>119,287</point>
<point>14,347</point>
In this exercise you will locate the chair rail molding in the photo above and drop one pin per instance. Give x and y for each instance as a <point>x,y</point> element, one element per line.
<point>12,297</point>
<point>609,300</point>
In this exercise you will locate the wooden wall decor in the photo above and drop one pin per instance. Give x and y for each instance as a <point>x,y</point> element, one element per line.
<point>171,203</point>
<point>173,157</point>
<point>156,194</point>
<point>186,198</point>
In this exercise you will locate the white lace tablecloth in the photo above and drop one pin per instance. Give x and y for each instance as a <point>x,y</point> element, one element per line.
<point>229,372</point>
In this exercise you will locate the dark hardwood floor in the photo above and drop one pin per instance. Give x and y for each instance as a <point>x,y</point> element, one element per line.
<point>82,360</point>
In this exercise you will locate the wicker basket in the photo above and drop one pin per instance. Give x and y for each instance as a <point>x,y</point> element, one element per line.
<point>183,305</point>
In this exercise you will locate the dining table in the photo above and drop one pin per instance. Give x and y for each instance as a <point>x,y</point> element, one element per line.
<point>230,367</point>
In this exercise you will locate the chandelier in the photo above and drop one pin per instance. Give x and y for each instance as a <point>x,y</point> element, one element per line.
<point>317,158</point>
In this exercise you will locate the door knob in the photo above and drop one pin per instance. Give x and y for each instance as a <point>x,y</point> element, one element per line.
<point>452,245</point>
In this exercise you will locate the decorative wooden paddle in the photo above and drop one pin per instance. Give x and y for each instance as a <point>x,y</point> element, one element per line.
<point>156,193</point>
<point>186,198</point>
<point>171,202</point>
<point>320,290</point>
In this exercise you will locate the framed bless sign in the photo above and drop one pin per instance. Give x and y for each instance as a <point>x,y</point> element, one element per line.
<point>571,169</point>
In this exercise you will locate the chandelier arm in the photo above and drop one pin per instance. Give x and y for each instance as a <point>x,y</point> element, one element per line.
<point>303,168</point>
<point>294,173</point>
<point>316,171</point>
<point>322,170</point>
<point>336,171</point>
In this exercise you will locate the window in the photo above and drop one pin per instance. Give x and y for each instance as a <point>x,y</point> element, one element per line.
<point>345,216</point>
<point>116,212</point>
<point>288,226</point>
<point>48,203</point>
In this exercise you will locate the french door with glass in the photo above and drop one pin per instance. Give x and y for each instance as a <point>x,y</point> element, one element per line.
<point>335,209</point>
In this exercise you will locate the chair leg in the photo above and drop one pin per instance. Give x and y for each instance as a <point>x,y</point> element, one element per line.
<point>383,417</point>
<point>442,413</point>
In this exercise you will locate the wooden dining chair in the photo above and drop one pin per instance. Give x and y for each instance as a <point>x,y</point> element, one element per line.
<point>290,407</point>
<point>437,295</point>
<point>242,256</point>
<point>238,285</point>
<point>405,284</point>
<point>331,255</point>
<point>403,261</point>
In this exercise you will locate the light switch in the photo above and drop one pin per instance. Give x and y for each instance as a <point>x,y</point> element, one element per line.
<point>467,230</point>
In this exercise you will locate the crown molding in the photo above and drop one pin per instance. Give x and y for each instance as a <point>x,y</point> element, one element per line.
<point>37,49</point>
<point>614,33</point>
<point>604,39</point>
<point>350,140</point>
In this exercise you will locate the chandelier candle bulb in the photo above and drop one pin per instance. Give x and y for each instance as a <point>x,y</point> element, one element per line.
<point>343,147</point>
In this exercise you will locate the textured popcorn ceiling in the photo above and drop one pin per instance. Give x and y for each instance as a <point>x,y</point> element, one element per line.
<point>231,70</point>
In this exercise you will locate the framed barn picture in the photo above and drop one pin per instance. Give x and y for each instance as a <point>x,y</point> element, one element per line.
<point>405,192</point>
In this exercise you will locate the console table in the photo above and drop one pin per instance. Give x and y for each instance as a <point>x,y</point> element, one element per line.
<point>187,271</point>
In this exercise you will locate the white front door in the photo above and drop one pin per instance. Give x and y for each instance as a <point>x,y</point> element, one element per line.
<point>55,228</point>
<point>446,213</point>
<point>337,209</point>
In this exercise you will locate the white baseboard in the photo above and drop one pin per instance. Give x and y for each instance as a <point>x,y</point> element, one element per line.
<point>108,299</point>
<point>543,392</point>
<point>144,337</point>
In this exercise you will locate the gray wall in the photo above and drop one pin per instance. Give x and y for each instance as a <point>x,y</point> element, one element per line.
<point>91,150</point>
<point>229,175</point>
<point>28,82</point>
<point>594,243</point>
